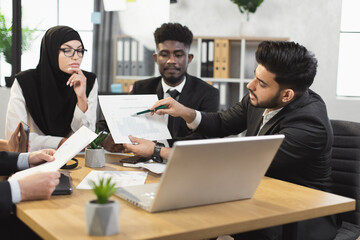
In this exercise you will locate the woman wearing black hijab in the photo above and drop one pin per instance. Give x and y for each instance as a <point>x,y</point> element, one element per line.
<point>57,97</point>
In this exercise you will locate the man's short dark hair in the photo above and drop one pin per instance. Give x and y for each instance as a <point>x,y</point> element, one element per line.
<point>175,32</point>
<point>293,65</point>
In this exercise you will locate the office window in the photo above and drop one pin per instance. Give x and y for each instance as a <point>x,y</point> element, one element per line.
<point>348,79</point>
<point>5,68</point>
<point>41,15</point>
<point>75,14</point>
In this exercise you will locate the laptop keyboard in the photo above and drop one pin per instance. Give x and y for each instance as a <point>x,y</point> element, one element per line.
<point>150,195</point>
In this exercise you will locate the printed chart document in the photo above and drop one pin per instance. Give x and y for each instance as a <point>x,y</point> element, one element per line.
<point>72,146</point>
<point>118,109</point>
<point>120,178</point>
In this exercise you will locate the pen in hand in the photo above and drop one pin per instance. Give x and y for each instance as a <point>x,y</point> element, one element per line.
<point>148,110</point>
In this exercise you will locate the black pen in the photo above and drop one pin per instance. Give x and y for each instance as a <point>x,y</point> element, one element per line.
<point>148,110</point>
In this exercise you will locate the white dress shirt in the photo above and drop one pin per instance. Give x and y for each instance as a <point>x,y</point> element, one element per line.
<point>165,88</point>
<point>17,112</point>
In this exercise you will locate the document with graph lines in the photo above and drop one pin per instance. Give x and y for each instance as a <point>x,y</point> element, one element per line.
<point>118,111</point>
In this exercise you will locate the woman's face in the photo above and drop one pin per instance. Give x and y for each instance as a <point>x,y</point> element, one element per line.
<point>67,62</point>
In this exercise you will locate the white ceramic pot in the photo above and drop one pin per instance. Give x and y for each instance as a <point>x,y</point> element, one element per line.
<point>94,158</point>
<point>102,219</point>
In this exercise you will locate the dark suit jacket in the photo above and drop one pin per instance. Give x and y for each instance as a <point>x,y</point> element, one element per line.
<point>303,157</point>
<point>8,165</point>
<point>196,94</point>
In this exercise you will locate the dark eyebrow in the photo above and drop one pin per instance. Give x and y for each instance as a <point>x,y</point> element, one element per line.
<point>179,51</point>
<point>260,80</point>
<point>72,47</point>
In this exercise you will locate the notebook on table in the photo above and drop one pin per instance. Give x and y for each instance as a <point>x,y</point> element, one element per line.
<point>207,171</point>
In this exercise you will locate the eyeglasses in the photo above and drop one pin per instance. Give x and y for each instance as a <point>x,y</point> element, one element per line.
<point>70,52</point>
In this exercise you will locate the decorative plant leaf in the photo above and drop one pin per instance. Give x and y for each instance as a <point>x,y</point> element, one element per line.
<point>101,137</point>
<point>103,190</point>
<point>247,6</point>
<point>6,39</point>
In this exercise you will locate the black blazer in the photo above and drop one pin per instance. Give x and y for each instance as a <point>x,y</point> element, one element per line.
<point>8,165</point>
<point>196,94</point>
<point>303,157</point>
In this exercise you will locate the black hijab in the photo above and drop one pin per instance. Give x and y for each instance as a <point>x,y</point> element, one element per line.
<point>49,100</point>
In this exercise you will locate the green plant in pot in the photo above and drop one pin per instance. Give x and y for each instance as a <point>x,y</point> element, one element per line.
<point>6,42</point>
<point>95,155</point>
<point>102,214</point>
<point>247,6</point>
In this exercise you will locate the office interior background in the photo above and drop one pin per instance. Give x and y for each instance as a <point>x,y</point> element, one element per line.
<point>325,27</point>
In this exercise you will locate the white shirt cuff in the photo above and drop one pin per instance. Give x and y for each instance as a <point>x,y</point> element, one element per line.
<point>194,124</point>
<point>23,161</point>
<point>15,191</point>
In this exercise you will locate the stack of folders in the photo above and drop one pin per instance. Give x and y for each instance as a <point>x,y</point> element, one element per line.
<point>133,58</point>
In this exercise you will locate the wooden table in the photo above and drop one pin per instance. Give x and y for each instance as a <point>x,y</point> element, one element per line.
<point>275,202</point>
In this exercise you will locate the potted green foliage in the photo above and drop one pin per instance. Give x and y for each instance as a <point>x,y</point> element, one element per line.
<point>247,6</point>
<point>6,42</point>
<point>102,214</point>
<point>95,155</point>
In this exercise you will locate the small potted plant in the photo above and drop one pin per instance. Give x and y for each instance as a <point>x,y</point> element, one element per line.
<point>102,214</point>
<point>95,155</point>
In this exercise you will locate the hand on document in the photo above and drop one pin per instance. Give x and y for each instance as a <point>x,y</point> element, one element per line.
<point>140,147</point>
<point>174,108</point>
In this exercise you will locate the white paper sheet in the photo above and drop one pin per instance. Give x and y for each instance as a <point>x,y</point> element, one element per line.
<point>118,109</point>
<point>72,146</point>
<point>154,167</point>
<point>120,178</point>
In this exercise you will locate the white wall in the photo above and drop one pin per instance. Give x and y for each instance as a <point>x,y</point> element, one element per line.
<point>313,23</point>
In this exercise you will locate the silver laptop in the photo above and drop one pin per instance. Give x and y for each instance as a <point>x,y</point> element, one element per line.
<point>207,171</point>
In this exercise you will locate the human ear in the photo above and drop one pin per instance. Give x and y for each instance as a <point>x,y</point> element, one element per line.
<point>155,57</point>
<point>287,95</point>
<point>190,57</point>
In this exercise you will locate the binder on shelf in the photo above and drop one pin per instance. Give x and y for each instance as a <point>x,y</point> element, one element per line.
<point>119,57</point>
<point>217,58</point>
<point>204,58</point>
<point>225,58</point>
<point>134,58</point>
<point>127,50</point>
<point>221,58</point>
<point>224,91</point>
<point>141,68</point>
<point>149,63</point>
<point>210,58</point>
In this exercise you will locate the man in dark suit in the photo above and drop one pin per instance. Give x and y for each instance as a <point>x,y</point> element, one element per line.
<point>33,187</point>
<point>172,56</point>
<point>279,102</point>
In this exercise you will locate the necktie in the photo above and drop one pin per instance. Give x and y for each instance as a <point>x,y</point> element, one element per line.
<point>174,94</point>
